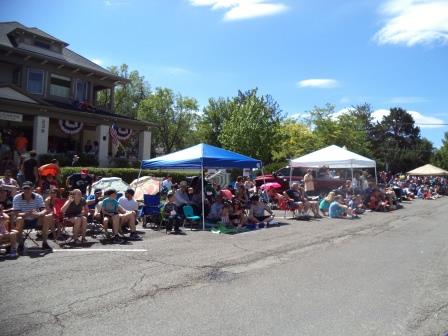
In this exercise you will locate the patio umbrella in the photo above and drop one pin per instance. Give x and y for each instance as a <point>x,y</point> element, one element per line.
<point>111,183</point>
<point>270,186</point>
<point>146,185</point>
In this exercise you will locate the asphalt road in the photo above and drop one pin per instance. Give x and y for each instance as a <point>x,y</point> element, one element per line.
<point>385,274</point>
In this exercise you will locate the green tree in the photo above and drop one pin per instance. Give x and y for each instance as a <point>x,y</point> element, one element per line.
<point>350,128</point>
<point>252,128</point>
<point>128,94</point>
<point>175,117</point>
<point>211,122</point>
<point>397,143</point>
<point>295,139</point>
<point>440,158</point>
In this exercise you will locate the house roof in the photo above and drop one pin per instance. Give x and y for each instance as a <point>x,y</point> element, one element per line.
<point>12,94</point>
<point>68,56</point>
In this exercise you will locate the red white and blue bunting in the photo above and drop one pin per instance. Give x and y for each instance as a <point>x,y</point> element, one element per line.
<point>70,127</point>
<point>123,134</point>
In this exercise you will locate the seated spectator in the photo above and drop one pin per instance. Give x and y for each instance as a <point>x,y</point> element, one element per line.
<point>167,184</point>
<point>242,196</point>
<point>111,210</point>
<point>339,210</point>
<point>75,212</point>
<point>250,187</point>
<point>325,203</point>
<point>257,211</point>
<point>7,236</point>
<point>295,198</point>
<point>356,205</point>
<point>128,203</point>
<point>237,214</point>
<point>53,204</point>
<point>225,213</point>
<point>5,197</point>
<point>93,200</point>
<point>215,211</point>
<point>172,215</point>
<point>377,202</point>
<point>46,183</point>
<point>181,195</point>
<point>82,181</point>
<point>31,214</point>
<point>9,181</point>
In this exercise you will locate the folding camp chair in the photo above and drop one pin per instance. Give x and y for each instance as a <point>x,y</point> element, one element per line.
<point>151,211</point>
<point>190,217</point>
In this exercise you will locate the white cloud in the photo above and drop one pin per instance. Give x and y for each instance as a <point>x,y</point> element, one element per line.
<point>412,22</point>
<point>176,71</point>
<point>97,61</point>
<point>421,120</point>
<point>243,9</point>
<point>321,83</point>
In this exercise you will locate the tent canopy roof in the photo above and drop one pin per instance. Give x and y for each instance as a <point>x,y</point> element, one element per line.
<point>201,155</point>
<point>333,157</point>
<point>428,170</point>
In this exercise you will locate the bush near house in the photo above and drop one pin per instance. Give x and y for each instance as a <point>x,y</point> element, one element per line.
<point>127,174</point>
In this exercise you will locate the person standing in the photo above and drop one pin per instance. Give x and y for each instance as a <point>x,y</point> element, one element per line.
<point>21,143</point>
<point>29,168</point>
<point>308,180</point>
<point>82,181</point>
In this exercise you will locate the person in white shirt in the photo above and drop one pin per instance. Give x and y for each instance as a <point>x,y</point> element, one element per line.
<point>167,184</point>
<point>128,203</point>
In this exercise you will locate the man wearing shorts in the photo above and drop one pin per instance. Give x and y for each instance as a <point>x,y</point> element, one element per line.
<point>31,213</point>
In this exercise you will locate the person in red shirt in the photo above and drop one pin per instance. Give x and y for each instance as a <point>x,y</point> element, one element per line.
<point>21,143</point>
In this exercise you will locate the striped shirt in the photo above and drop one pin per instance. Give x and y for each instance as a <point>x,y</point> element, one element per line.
<point>36,203</point>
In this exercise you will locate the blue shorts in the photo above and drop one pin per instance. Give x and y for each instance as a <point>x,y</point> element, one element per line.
<point>31,223</point>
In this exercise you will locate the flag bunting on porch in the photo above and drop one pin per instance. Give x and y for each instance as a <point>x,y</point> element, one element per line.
<point>70,127</point>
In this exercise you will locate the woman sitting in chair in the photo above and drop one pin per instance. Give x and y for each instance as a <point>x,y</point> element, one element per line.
<point>75,213</point>
<point>53,204</point>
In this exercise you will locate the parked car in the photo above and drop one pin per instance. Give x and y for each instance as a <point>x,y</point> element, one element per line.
<point>323,182</point>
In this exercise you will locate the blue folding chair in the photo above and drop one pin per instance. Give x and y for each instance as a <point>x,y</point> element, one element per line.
<point>151,211</point>
<point>190,217</point>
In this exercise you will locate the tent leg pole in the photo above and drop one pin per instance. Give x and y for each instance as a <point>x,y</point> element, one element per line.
<point>138,178</point>
<point>351,170</point>
<point>203,199</point>
<point>376,176</point>
<point>290,175</point>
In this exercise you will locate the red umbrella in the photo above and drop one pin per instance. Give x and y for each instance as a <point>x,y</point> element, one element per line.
<point>270,186</point>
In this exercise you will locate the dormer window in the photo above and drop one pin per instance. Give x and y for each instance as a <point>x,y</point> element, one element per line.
<point>41,44</point>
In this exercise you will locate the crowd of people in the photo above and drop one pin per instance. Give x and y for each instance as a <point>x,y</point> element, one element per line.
<point>33,199</point>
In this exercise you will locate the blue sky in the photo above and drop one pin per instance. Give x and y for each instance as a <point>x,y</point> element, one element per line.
<point>304,53</point>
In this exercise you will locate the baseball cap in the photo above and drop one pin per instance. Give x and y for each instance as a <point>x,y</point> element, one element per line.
<point>27,185</point>
<point>96,191</point>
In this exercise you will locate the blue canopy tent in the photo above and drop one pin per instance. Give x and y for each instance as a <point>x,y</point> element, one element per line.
<point>199,157</point>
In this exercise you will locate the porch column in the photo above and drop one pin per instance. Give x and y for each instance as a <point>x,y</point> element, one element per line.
<point>40,134</point>
<point>144,145</point>
<point>102,132</point>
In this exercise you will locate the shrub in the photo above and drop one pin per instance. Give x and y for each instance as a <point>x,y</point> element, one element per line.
<point>66,160</point>
<point>127,174</point>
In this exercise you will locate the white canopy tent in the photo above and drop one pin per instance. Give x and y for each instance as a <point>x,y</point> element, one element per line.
<point>333,157</point>
<point>428,170</point>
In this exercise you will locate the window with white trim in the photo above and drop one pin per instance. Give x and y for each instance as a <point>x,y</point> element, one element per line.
<point>35,81</point>
<point>60,86</point>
